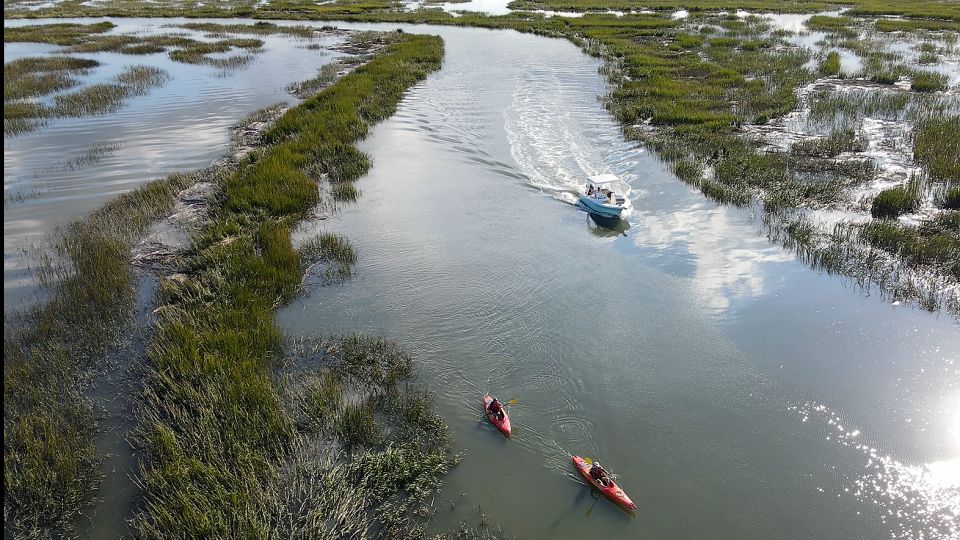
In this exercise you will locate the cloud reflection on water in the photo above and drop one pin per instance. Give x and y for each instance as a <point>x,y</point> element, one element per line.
<point>728,260</point>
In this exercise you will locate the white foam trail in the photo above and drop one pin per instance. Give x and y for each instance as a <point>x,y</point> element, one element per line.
<point>553,145</point>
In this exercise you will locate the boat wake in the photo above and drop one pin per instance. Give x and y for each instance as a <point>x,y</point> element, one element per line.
<point>558,140</point>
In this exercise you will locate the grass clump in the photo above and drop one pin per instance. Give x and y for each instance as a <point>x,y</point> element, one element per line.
<point>926,81</point>
<point>936,145</point>
<point>840,25</point>
<point>830,65</point>
<point>262,28</point>
<point>104,98</point>
<point>896,201</point>
<point>928,57</point>
<point>39,76</point>
<point>356,426</point>
<point>28,78</point>
<point>949,198</point>
<point>333,252</point>
<point>915,25</point>
<point>357,392</point>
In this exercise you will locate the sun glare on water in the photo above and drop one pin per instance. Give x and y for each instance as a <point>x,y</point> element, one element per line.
<point>916,500</point>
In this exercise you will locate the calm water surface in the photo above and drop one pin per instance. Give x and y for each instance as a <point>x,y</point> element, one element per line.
<point>736,392</point>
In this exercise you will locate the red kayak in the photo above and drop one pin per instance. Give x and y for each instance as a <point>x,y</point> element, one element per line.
<point>612,492</point>
<point>504,424</point>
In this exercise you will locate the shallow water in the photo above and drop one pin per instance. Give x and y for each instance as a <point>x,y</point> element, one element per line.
<point>737,393</point>
<point>55,174</point>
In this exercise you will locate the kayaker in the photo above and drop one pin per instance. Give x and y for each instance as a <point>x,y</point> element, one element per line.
<point>599,474</point>
<point>496,409</point>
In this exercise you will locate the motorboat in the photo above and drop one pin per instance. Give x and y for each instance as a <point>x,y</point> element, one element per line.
<point>599,198</point>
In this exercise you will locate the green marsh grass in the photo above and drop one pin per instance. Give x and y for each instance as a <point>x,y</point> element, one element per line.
<point>51,466</point>
<point>334,251</point>
<point>936,145</point>
<point>39,76</point>
<point>210,373</point>
<point>933,243</point>
<point>32,77</point>
<point>949,197</point>
<point>837,142</point>
<point>925,81</point>
<point>839,25</point>
<point>262,28</point>
<point>65,34</point>
<point>102,98</point>
<point>915,25</point>
<point>928,58</point>
<point>896,201</point>
<point>830,65</point>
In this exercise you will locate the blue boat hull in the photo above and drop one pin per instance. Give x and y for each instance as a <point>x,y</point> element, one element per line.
<point>596,207</point>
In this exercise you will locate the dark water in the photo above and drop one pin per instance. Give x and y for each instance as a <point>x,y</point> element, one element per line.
<point>736,392</point>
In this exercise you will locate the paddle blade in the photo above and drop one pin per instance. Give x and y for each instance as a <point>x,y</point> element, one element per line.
<point>513,402</point>
<point>588,461</point>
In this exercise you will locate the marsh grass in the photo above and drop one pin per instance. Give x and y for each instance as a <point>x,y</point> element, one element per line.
<point>38,76</point>
<point>262,28</point>
<point>949,197</point>
<point>357,395</point>
<point>936,145</point>
<point>840,25</point>
<point>32,77</point>
<point>210,369</point>
<point>837,142</point>
<point>64,34</point>
<point>21,115</point>
<point>933,243</point>
<point>333,252</point>
<point>925,81</point>
<point>51,467</point>
<point>916,25</point>
<point>102,98</point>
<point>896,201</point>
<point>180,48</point>
<point>928,58</point>
<point>830,65</point>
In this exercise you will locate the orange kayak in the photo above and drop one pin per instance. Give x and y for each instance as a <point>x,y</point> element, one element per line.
<point>612,492</point>
<point>504,424</point>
